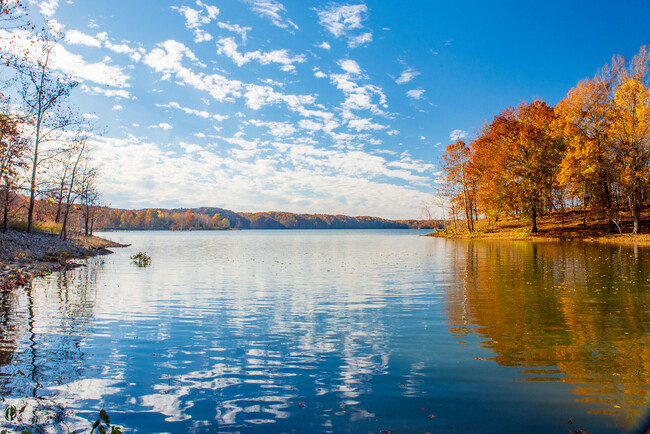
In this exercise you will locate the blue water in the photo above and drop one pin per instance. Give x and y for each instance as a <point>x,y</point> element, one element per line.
<point>333,331</point>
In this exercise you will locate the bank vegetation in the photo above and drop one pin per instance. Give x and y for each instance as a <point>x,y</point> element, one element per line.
<point>583,164</point>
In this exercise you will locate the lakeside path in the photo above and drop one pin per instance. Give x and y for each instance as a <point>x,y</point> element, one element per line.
<point>26,256</point>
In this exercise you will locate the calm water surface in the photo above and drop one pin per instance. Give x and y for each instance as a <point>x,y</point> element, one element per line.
<point>342,331</point>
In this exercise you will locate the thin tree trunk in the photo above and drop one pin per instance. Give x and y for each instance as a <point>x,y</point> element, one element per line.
<point>5,219</point>
<point>92,221</point>
<point>636,211</point>
<point>64,234</point>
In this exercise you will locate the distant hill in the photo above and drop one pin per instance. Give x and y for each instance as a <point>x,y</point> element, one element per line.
<point>218,218</point>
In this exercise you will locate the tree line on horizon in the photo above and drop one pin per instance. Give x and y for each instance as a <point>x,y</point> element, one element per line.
<point>592,150</point>
<point>44,140</point>
<point>206,218</point>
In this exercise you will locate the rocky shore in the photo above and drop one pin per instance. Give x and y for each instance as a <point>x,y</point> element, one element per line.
<point>25,256</point>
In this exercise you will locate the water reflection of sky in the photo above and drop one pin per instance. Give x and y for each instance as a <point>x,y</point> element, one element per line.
<point>327,331</point>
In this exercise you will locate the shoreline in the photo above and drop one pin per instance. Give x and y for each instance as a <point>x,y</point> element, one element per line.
<point>24,257</point>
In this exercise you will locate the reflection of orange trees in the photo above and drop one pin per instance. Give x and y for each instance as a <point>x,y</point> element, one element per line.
<point>580,307</point>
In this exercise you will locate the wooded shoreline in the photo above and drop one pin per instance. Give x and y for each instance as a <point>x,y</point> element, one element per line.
<point>571,226</point>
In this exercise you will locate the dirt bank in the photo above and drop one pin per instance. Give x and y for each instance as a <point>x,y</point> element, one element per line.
<point>25,256</point>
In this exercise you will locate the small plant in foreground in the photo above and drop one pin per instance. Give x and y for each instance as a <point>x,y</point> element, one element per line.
<point>103,424</point>
<point>141,259</point>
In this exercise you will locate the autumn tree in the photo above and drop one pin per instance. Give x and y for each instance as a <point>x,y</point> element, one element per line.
<point>457,165</point>
<point>630,130</point>
<point>585,117</point>
<point>12,155</point>
<point>606,122</point>
<point>189,218</point>
<point>516,158</point>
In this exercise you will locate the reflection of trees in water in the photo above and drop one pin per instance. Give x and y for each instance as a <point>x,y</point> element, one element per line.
<point>11,329</point>
<point>580,307</point>
<point>40,345</point>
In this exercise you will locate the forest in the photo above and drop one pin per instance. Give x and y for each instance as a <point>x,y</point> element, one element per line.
<point>590,152</point>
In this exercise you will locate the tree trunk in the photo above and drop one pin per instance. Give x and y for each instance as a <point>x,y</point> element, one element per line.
<point>5,219</point>
<point>92,221</point>
<point>32,185</point>
<point>607,199</point>
<point>64,233</point>
<point>32,198</point>
<point>636,211</point>
<point>58,205</point>
<point>87,221</point>
<point>533,216</point>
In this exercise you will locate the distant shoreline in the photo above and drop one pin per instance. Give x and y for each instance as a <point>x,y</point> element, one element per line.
<point>259,229</point>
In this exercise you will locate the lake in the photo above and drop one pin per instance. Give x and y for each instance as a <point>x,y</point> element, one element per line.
<point>341,331</point>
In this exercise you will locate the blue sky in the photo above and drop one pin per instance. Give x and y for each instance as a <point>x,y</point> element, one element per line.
<point>311,106</point>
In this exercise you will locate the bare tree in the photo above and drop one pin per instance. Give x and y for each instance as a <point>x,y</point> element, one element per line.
<point>43,92</point>
<point>89,195</point>
<point>72,193</point>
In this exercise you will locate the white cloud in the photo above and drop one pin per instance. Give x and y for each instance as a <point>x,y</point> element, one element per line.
<point>258,96</point>
<point>122,48</point>
<point>75,37</point>
<point>320,74</point>
<point>47,7</point>
<point>324,45</point>
<point>98,72</point>
<point>228,47</point>
<point>190,147</point>
<point>196,18</point>
<point>457,135</point>
<point>407,75</point>
<point>356,41</point>
<point>274,11</point>
<point>163,126</point>
<point>341,20</point>
<point>365,125</point>
<point>415,93</point>
<point>200,113</point>
<point>310,125</point>
<point>19,42</point>
<point>392,132</point>
<point>168,58</point>
<point>240,30</point>
<point>111,93</point>
<point>350,66</point>
<point>276,129</point>
<point>117,107</point>
<point>359,97</point>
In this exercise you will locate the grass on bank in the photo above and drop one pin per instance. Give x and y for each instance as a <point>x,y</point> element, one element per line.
<point>568,226</point>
